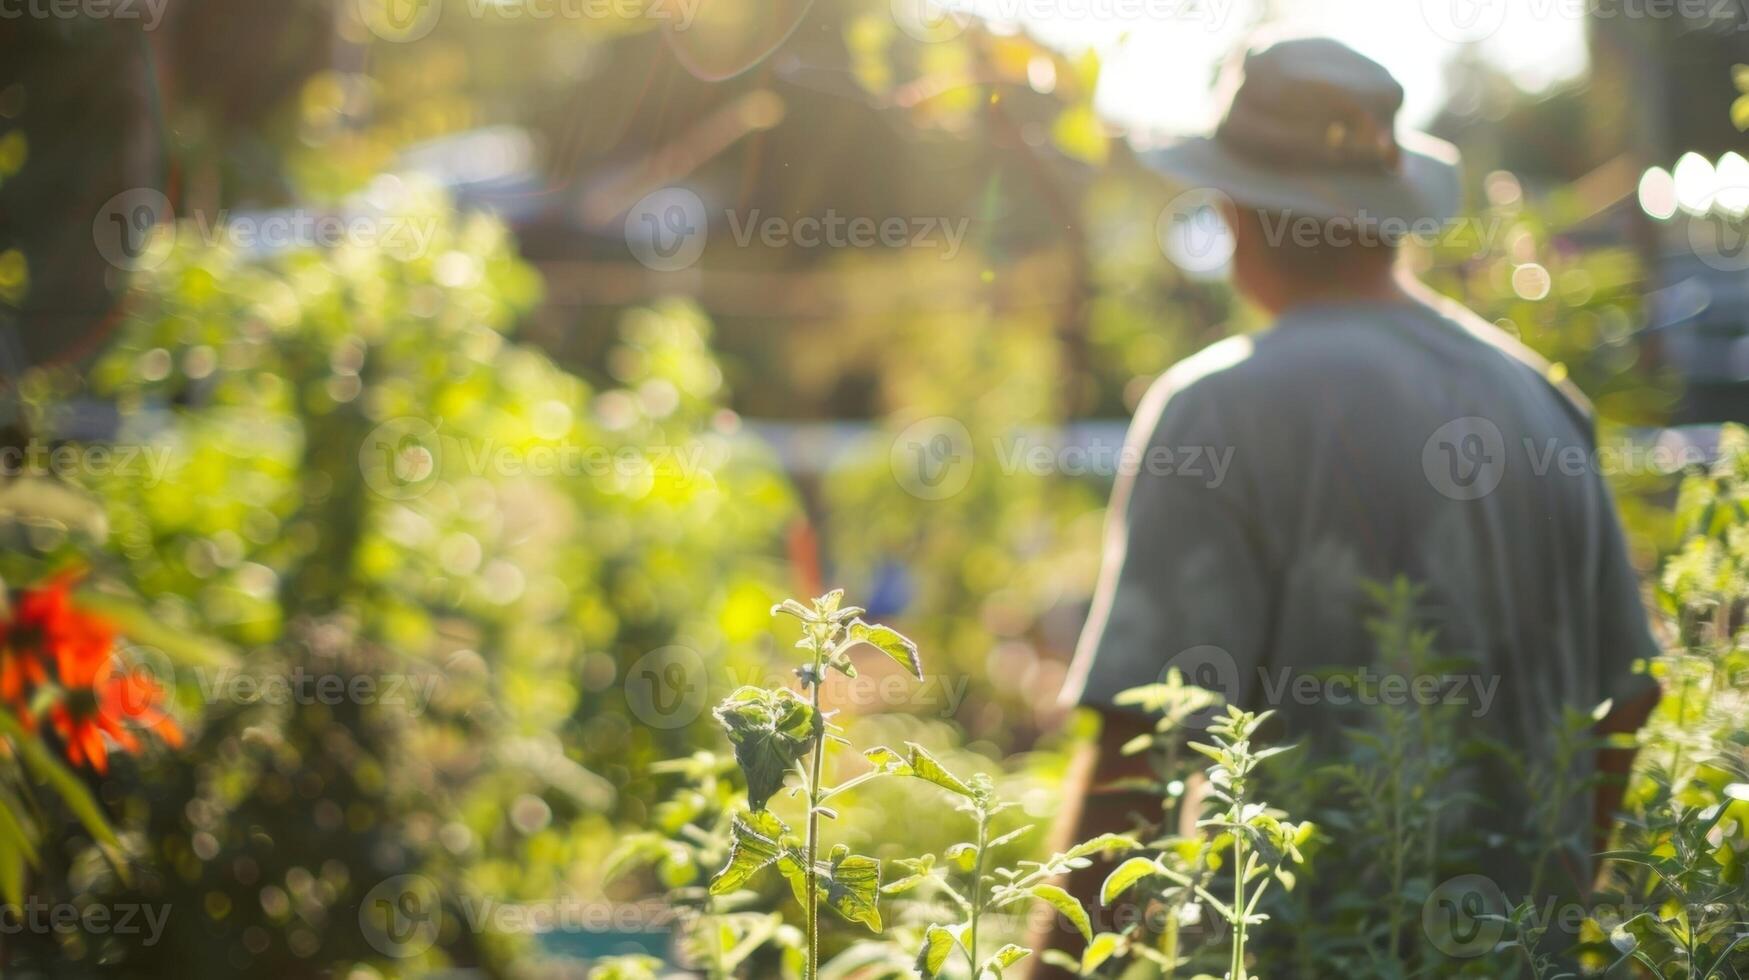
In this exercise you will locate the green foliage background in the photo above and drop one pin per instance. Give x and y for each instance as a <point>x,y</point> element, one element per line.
<point>529,603</point>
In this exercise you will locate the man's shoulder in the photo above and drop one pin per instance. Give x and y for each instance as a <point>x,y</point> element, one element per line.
<point>1508,347</point>
<point>1440,337</point>
<point>1198,379</point>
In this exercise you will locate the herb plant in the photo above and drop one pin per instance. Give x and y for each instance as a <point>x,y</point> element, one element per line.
<point>1239,828</point>
<point>1684,851</point>
<point>776,733</point>
<point>983,889</point>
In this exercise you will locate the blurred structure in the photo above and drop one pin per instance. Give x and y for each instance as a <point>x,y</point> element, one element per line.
<point>1668,94</point>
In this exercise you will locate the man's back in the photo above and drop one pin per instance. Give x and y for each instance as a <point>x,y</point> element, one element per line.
<point>1369,441</point>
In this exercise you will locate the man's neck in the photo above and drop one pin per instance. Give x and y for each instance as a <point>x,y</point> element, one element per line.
<point>1384,289</point>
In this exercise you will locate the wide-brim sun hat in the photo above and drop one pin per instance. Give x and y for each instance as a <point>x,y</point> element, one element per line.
<point>1309,129</point>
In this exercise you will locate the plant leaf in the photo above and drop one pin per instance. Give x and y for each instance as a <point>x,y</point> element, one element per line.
<point>1012,835</point>
<point>890,642</point>
<point>1003,958</point>
<point>924,766</point>
<point>756,844</point>
<point>1104,842</point>
<point>888,761</point>
<point>1123,876</point>
<point>66,785</point>
<point>1098,951</point>
<point>938,944</point>
<point>1065,903</point>
<point>770,731</point>
<point>851,886</point>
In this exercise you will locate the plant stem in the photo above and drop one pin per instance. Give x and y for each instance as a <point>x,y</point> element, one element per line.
<point>978,889</point>
<point>811,908</point>
<point>1236,969</point>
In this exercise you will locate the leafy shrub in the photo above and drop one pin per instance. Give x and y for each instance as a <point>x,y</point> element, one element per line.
<point>334,426</point>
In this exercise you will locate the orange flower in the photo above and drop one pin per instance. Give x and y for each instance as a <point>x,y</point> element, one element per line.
<point>100,702</point>
<point>48,630</point>
<point>44,625</point>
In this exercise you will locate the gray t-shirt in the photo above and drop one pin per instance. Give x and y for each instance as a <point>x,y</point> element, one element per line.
<point>1363,441</point>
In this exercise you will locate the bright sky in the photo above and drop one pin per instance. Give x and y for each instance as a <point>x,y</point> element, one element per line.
<point>1159,55</point>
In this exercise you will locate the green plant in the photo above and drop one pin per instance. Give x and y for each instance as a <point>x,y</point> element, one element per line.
<point>986,889</point>
<point>689,837</point>
<point>777,732</point>
<point>1262,844</point>
<point>1239,831</point>
<point>1684,852</point>
<point>1384,808</point>
<point>780,739</point>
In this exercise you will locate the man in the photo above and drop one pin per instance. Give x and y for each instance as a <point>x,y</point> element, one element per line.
<point>1376,431</point>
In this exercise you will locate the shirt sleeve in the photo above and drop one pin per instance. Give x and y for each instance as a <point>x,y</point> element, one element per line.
<point>1182,583</point>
